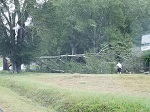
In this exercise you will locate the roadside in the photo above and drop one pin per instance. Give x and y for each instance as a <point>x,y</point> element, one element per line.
<point>12,102</point>
<point>71,91</point>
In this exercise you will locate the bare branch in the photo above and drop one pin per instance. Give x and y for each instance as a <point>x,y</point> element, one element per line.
<point>5,29</point>
<point>2,12</point>
<point>4,4</point>
<point>6,7</point>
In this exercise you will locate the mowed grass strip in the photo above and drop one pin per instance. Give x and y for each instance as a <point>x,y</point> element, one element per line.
<point>67,99</point>
<point>11,101</point>
<point>106,83</point>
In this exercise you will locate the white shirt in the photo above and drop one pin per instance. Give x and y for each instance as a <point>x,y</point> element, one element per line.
<point>119,65</point>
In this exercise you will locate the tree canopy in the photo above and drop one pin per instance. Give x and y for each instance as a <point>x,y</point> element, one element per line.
<point>72,27</point>
<point>19,40</point>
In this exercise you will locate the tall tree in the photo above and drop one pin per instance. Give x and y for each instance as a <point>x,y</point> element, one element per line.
<point>19,40</point>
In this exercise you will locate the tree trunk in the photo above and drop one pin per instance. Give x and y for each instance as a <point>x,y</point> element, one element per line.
<point>16,67</point>
<point>5,64</point>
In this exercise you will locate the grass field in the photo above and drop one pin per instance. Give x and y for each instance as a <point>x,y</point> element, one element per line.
<point>38,92</point>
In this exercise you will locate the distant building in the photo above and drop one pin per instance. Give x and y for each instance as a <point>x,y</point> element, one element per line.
<point>145,42</point>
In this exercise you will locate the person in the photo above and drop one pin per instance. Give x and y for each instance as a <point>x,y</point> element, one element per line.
<point>119,67</point>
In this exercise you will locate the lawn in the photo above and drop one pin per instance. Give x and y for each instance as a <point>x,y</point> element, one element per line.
<point>42,92</point>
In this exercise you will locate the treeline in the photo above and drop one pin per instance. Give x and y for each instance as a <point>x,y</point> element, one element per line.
<point>111,28</point>
<point>79,26</point>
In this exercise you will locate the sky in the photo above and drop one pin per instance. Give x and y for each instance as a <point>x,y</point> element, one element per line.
<point>12,8</point>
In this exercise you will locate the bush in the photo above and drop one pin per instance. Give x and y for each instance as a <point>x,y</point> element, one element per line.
<point>90,64</point>
<point>97,65</point>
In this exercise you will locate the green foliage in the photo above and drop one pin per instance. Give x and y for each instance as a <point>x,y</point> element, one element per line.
<point>4,41</point>
<point>81,26</point>
<point>146,59</point>
<point>27,50</point>
<point>85,24</point>
<point>98,65</point>
<point>90,64</point>
<point>75,67</point>
<point>76,27</point>
<point>121,43</point>
<point>19,44</point>
<point>60,65</point>
<point>134,63</point>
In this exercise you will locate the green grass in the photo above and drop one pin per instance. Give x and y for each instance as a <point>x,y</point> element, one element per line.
<point>35,95</point>
<point>12,102</point>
